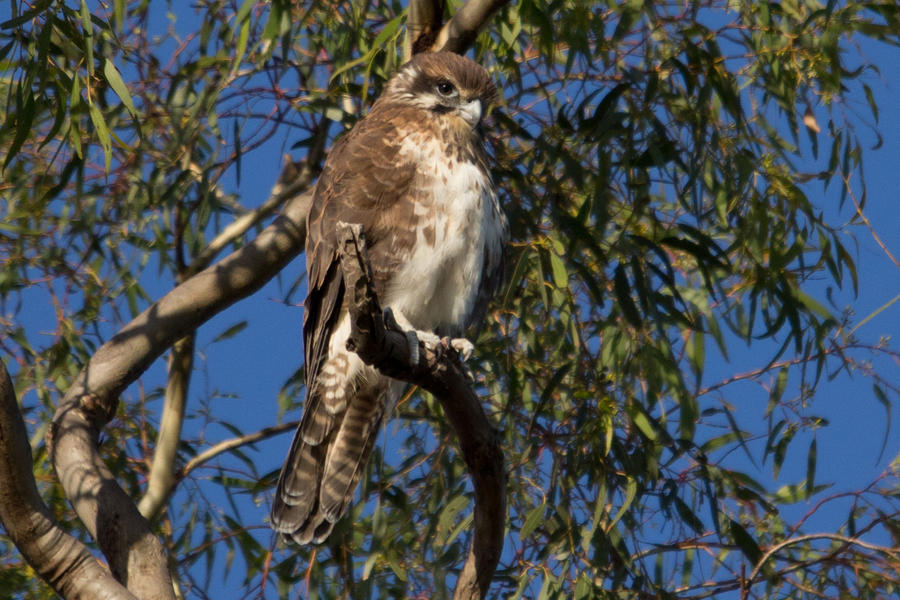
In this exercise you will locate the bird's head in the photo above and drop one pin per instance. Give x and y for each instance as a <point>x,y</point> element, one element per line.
<point>443,83</point>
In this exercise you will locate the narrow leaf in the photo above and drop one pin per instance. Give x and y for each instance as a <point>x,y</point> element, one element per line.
<point>534,516</point>
<point>231,331</point>
<point>745,542</point>
<point>118,86</point>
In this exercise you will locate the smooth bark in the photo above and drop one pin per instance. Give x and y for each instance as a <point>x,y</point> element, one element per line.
<point>460,32</point>
<point>161,480</point>
<point>423,23</point>
<point>134,553</point>
<point>61,560</point>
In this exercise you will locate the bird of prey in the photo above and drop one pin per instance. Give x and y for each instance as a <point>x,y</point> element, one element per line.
<point>414,174</point>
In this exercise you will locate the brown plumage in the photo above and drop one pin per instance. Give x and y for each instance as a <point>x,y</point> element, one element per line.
<point>414,173</point>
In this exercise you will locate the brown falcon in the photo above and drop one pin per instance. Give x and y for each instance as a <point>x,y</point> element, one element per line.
<point>414,173</point>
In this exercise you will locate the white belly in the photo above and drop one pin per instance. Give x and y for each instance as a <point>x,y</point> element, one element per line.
<point>437,287</point>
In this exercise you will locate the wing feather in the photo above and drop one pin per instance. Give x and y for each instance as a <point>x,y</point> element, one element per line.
<point>364,181</point>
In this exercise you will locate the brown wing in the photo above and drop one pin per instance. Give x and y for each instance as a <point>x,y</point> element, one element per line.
<point>364,181</point>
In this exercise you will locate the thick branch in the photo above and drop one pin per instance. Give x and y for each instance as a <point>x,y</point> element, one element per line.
<point>295,179</point>
<point>460,32</point>
<point>61,560</point>
<point>423,23</point>
<point>441,373</point>
<point>110,516</point>
<point>292,185</point>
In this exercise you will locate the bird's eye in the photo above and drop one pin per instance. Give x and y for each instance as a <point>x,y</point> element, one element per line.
<point>444,87</point>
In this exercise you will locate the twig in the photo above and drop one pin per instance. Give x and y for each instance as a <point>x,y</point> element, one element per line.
<point>231,444</point>
<point>847,540</point>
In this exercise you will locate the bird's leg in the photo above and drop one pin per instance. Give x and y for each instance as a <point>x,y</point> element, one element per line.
<point>431,340</point>
<point>397,320</point>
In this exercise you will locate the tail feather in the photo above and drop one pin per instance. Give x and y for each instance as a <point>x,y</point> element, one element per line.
<point>349,453</point>
<point>316,424</point>
<point>297,492</point>
<point>327,456</point>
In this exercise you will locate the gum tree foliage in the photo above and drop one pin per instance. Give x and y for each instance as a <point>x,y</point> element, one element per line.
<point>683,180</point>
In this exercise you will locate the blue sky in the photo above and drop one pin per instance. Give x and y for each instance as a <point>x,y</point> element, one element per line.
<point>243,374</point>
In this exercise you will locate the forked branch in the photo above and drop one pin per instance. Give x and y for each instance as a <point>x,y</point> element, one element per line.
<point>135,554</point>
<point>61,560</point>
<point>459,33</point>
<point>440,372</point>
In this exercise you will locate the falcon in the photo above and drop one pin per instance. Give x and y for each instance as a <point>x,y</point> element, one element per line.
<point>414,174</point>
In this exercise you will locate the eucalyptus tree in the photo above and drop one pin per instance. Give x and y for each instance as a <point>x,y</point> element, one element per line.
<point>683,181</point>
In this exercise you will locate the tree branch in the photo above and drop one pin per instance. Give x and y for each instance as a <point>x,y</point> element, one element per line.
<point>423,23</point>
<point>440,372</point>
<point>231,444</point>
<point>846,540</point>
<point>460,32</point>
<point>294,180</point>
<point>135,555</point>
<point>61,560</point>
<point>162,471</point>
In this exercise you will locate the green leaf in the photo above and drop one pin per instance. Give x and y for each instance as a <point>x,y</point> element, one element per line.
<point>230,332</point>
<point>623,297</point>
<point>882,398</point>
<point>119,13</point>
<point>396,567</point>
<point>582,587</point>
<point>238,56</point>
<point>88,26</point>
<point>447,517</point>
<point>696,351</point>
<point>391,31</point>
<point>36,9</point>
<point>532,519</point>
<point>688,516</point>
<point>745,542</point>
<point>115,82</point>
<point>102,133</point>
<point>630,493</point>
<point>560,275</point>
<point>689,413</point>
<point>642,422</point>
<point>813,305</point>
<point>794,493</point>
<point>244,11</point>
<point>24,117</point>
<point>778,390</point>
<point>780,451</point>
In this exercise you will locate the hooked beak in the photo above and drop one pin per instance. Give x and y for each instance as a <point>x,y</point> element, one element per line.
<point>471,112</point>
